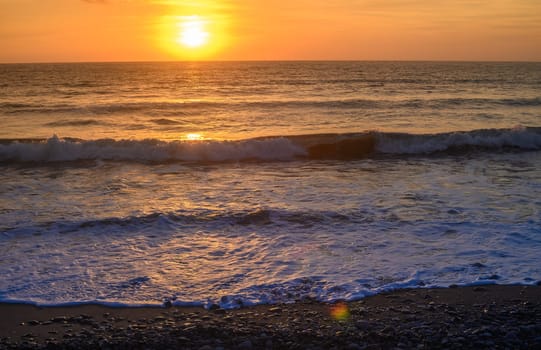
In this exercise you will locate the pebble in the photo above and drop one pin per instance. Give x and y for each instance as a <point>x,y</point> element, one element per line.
<point>245,345</point>
<point>59,319</point>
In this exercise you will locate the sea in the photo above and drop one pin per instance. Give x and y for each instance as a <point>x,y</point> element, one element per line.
<point>230,184</point>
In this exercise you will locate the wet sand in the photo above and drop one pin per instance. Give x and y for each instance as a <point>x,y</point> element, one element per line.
<point>482,317</point>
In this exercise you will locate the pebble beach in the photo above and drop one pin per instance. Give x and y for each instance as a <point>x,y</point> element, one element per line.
<point>475,317</point>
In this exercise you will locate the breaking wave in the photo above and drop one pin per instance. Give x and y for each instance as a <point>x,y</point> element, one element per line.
<point>257,217</point>
<point>349,146</point>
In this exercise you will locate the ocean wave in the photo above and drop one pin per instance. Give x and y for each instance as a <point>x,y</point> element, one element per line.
<point>496,140</point>
<point>104,108</point>
<point>56,149</point>
<point>349,146</point>
<point>164,121</point>
<point>191,105</point>
<point>248,218</point>
<point>179,107</point>
<point>75,122</point>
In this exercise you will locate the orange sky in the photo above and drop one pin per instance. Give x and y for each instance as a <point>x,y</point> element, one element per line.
<point>142,30</point>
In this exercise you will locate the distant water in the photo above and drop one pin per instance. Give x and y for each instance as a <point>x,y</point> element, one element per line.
<point>261,182</point>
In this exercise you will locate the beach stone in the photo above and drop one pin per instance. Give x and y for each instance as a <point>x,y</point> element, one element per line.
<point>59,319</point>
<point>362,325</point>
<point>245,345</point>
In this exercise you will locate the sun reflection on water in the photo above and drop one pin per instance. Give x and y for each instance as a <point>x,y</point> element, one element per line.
<point>193,137</point>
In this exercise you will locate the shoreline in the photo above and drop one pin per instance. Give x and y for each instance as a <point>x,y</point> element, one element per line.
<point>488,316</point>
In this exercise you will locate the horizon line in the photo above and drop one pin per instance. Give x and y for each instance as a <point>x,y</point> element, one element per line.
<point>277,60</point>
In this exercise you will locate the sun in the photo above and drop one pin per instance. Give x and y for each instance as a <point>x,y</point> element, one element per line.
<point>194,37</point>
<point>192,32</point>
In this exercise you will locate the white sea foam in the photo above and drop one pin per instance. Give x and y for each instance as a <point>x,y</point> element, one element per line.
<point>142,234</point>
<point>287,148</point>
<point>61,150</point>
<point>519,138</point>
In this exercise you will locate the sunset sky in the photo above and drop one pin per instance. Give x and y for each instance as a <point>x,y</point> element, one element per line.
<point>148,30</point>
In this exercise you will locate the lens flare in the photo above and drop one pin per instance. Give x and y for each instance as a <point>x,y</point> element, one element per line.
<point>340,311</point>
